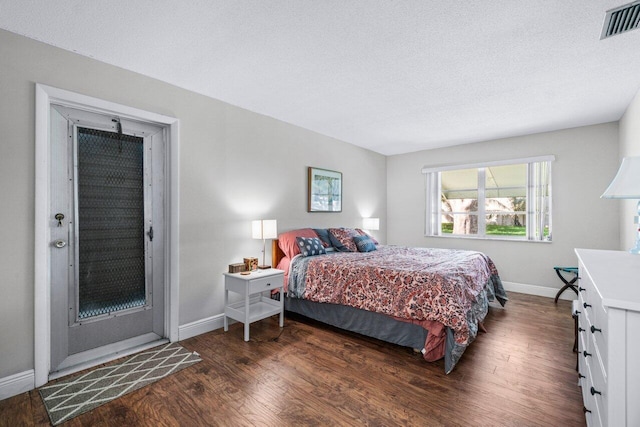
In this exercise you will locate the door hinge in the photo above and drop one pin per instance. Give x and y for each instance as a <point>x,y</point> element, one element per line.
<point>150,234</point>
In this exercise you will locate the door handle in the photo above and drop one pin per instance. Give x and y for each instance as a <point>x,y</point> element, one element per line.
<point>59,244</point>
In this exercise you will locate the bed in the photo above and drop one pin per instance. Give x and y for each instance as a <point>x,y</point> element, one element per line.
<point>432,300</point>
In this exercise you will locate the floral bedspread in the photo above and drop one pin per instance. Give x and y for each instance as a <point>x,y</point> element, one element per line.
<point>452,287</point>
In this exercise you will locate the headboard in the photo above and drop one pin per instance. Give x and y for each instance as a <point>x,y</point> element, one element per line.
<point>276,253</point>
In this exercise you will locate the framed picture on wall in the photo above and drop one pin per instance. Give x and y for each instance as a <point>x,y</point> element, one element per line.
<point>325,191</point>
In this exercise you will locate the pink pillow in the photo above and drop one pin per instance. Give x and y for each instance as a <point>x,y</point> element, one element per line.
<point>287,241</point>
<point>345,237</point>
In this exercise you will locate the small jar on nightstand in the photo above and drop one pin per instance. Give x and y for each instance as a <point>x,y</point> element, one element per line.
<point>255,305</point>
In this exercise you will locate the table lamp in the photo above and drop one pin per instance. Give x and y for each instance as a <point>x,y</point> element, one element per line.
<point>264,229</point>
<point>371,224</point>
<point>626,185</point>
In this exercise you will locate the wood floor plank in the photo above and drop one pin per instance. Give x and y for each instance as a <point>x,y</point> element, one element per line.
<point>520,372</point>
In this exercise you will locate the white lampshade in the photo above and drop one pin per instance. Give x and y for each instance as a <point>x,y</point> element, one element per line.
<point>371,223</point>
<point>264,229</point>
<point>626,184</point>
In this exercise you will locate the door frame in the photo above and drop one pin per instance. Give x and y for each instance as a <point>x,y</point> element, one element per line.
<point>45,96</point>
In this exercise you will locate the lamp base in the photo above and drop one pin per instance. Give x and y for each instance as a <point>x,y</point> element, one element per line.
<point>264,267</point>
<point>636,220</point>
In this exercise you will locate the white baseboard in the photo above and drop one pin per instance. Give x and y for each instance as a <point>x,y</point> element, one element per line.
<point>543,291</point>
<point>200,326</point>
<point>17,383</point>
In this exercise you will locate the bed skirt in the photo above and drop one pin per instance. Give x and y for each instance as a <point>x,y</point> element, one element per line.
<point>368,323</point>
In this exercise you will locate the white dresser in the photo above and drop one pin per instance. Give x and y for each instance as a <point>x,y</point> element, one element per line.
<point>609,336</point>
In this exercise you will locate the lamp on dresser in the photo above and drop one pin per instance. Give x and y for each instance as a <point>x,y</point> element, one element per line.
<point>264,229</point>
<point>626,185</point>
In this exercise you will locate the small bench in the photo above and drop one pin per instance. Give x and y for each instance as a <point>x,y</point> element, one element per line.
<point>567,283</point>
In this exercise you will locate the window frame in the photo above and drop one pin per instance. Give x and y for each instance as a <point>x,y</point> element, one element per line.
<point>539,176</point>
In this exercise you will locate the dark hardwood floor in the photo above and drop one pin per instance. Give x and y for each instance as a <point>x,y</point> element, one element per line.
<point>520,373</point>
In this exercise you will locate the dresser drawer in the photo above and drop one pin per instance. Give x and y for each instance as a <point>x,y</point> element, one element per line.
<point>593,410</point>
<point>585,285</point>
<point>593,319</point>
<point>598,389</point>
<point>599,333</point>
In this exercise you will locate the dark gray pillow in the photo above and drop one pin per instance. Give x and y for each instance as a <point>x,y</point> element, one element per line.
<point>323,234</point>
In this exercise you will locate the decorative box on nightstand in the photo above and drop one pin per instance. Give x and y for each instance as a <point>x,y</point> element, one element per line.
<point>255,304</point>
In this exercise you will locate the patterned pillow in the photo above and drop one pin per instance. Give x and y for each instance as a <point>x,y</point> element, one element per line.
<point>342,239</point>
<point>310,246</point>
<point>364,244</point>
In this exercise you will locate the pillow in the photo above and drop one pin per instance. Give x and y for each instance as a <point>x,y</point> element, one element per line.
<point>323,234</point>
<point>364,244</point>
<point>342,239</point>
<point>364,233</point>
<point>287,241</point>
<point>310,246</point>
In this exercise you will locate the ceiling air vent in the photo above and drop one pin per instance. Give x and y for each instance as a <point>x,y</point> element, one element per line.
<point>621,19</point>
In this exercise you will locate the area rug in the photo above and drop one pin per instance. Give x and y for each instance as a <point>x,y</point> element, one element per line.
<point>82,393</point>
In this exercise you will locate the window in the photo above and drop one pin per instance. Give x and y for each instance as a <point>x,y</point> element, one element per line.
<point>501,200</point>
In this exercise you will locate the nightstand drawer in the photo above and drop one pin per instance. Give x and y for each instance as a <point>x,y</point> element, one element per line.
<point>264,284</point>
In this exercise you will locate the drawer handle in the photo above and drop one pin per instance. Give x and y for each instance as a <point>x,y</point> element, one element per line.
<point>594,392</point>
<point>580,376</point>
<point>587,305</point>
<point>580,329</point>
<point>585,410</point>
<point>585,354</point>
<point>580,288</point>
<point>268,284</point>
<point>594,329</point>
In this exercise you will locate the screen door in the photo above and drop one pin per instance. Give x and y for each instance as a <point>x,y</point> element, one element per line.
<point>108,240</point>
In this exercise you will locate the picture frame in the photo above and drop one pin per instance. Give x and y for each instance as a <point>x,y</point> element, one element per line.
<point>324,190</point>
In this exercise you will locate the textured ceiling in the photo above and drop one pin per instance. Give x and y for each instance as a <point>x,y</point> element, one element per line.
<point>390,76</point>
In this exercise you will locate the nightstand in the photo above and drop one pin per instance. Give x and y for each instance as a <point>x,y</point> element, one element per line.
<point>256,283</point>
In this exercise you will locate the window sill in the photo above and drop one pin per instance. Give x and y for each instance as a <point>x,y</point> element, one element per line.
<point>498,238</point>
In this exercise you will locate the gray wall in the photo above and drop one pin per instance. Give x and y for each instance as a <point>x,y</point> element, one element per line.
<point>586,160</point>
<point>629,146</point>
<point>235,166</point>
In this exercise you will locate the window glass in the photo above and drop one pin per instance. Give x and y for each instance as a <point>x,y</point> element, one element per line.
<point>506,200</point>
<point>459,201</point>
<point>510,200</point>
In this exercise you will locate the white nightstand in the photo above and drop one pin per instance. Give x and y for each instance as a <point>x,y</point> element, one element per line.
<point>253,284</point>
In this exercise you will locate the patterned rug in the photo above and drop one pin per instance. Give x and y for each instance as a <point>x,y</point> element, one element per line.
<point>77,395</point>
